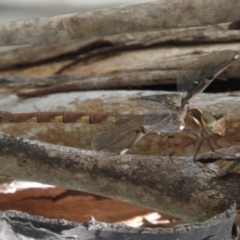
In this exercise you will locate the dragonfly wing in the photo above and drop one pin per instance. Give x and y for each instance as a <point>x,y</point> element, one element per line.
<point>208,66</point>
<point>168,124</point>
<point>118,135</point>
<point>159,102</point>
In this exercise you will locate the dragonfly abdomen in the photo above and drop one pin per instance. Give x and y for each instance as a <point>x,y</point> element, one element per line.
<point>64,117</point>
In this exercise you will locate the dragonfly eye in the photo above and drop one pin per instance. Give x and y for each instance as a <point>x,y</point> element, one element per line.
<point>216,123</point>
<point>208,119</point>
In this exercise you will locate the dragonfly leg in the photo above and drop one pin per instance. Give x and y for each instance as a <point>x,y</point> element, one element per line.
<point>198,149</point>
<point>175,167</point>
<point>205,168</point>
<point>136,139</point>
<point>166,140</point>
<point>182,147</point>
<point>210,145</point>
<point>174,152</point>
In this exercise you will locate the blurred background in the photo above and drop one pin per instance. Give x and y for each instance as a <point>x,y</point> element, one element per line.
<point>13,10</point>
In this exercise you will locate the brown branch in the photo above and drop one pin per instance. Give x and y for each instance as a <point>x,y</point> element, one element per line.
<point>94,47</point>
<point>149,16</point>
<point>143,180</point>
<point>125,60</point>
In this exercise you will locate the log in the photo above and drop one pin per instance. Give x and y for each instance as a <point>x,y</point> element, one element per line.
<point>142,180</point>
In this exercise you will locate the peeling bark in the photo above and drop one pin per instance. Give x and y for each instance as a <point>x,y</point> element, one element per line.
<point>19,225</point>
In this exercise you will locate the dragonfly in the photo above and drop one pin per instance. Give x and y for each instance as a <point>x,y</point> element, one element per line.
<point>168,113</point>
<point>172,113</point>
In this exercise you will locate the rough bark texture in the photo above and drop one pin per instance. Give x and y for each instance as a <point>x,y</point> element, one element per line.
<point>142,180</point>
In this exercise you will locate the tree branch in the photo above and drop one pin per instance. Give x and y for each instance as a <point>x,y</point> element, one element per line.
<point>118,61</point>
<point>143,180</point>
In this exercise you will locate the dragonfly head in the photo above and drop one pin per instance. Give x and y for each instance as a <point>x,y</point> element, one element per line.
<point>214,124</point>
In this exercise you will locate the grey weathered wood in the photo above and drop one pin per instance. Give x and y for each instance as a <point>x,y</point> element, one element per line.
<point>143,180</point>
<point>126,60</point>
<point>148,16</point>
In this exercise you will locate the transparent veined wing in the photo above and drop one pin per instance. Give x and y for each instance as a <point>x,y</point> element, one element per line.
<point>195,77</point>
<point>159,102</point>
<point>119,135</point>
<point>169,124</point>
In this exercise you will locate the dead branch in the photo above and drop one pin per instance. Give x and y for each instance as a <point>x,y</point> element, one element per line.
<point>126,60</point>
<point>142,180</point>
